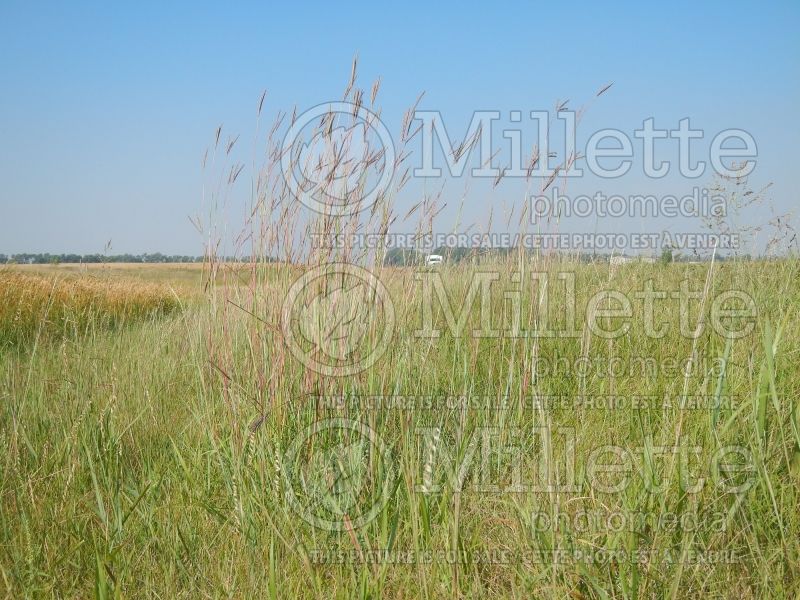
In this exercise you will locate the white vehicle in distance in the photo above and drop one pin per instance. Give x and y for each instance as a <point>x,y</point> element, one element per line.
<point>434,259</point>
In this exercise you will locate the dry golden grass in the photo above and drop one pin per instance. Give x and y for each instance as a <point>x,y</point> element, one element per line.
<point>185,278</point>
<point>33,304</point>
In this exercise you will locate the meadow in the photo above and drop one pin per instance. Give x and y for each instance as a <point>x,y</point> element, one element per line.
<point>161,438</point>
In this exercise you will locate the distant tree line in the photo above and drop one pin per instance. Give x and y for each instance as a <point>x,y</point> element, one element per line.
<point>52,259</point>
<point>412,257</point>
<point>394,257</point>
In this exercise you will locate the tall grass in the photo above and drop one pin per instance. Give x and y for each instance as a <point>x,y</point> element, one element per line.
<point>136,464</point>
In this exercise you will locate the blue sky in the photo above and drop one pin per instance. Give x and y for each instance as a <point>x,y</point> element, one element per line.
<point>105,111</point>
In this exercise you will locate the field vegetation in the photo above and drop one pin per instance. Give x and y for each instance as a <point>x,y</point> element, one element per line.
<point>145,439</point>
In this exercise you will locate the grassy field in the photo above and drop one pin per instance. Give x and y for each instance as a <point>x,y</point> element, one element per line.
<point>162,438</point>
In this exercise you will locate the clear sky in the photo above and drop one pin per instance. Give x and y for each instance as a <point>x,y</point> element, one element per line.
<point>106,110</point>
